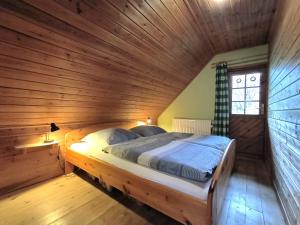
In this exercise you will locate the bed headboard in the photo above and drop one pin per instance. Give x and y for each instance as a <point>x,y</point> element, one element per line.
<point>76,135</point>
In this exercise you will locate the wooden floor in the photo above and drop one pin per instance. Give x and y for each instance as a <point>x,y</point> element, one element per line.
<point>76,199</point>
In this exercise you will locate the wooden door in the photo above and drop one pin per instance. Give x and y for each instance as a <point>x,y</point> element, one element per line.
<point>247,111</point>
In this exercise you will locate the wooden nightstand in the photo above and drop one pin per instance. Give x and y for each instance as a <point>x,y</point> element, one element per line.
<point>30,147</point>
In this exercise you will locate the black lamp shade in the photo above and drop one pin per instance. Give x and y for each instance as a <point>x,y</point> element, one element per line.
<point>53,127</point>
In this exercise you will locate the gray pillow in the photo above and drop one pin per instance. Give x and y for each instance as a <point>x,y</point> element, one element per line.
<point>109,136</point>
<point>147,131</point>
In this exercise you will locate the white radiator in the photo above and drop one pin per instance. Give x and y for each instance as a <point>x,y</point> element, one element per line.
<point>200,127</point>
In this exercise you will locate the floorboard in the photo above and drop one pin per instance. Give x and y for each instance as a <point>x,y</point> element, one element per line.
<point>78,200</point>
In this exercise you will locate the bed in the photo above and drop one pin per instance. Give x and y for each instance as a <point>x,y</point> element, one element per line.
<point>197,203</point>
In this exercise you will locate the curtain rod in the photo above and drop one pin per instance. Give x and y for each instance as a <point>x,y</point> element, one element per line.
<point>239,61</point>
<point>248,57</point>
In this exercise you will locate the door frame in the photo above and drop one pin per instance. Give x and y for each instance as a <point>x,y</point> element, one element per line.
<point>262,67</point>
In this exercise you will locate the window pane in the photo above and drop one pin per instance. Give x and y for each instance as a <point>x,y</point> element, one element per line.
<point>238,94</point>
<point>252,94</point>
<point>237,107</point>
<point>252,108</point>
<point>238,81</point>
<point>253,80</point>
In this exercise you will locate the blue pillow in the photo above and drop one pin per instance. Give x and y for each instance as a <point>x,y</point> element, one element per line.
<point>121,135</point>
<point>147,131</point>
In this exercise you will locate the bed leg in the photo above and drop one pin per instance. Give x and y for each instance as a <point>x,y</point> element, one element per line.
<point>139,203</point>
<point>69,168</point>
<point>92,177</point>
<point>108,187</point>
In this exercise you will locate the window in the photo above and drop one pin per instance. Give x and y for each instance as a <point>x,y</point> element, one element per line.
<point>245,93</point>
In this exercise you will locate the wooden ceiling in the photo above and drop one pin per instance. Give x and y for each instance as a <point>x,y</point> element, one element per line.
<point>84,61</point>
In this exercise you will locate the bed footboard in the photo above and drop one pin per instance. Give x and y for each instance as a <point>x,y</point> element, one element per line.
<point>220,180</point>
<point>181,207</point>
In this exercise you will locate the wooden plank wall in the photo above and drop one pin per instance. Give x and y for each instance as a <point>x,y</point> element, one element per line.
<point>76,63</point>
<point>284,107</point>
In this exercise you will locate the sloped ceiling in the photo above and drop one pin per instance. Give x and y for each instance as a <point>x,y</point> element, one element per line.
<point>84,61</point>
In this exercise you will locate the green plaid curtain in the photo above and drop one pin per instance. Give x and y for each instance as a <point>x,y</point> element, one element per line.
<point>221,119</point>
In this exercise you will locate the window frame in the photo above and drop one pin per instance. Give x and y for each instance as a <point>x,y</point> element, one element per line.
<point>245,70</point>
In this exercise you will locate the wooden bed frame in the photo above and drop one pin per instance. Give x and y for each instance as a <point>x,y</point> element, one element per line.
<point>180,206</point>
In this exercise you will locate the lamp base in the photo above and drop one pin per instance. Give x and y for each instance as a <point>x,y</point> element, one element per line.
<point>48,141</point>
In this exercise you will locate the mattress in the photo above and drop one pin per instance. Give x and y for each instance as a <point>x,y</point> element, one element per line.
<point>198,190</point>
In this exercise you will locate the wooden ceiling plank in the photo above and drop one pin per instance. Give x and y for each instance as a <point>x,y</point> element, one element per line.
<point>34,44</point>
<point>122,47</point>
<point>126,35</point>
<point>39,69</point>
<point>70,68</point>
<point>29,85</point>
<point>175,41</point>
<point>209,23</point>
<point>69,103</point>
<point>189,59</point>
<point>168,18</point>
<point>37,31</point>
<point>196,19</point>
<point>184,17</point>
<point>22,26</point>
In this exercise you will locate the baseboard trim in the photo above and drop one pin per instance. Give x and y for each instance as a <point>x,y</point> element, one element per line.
<point>286,218</point>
